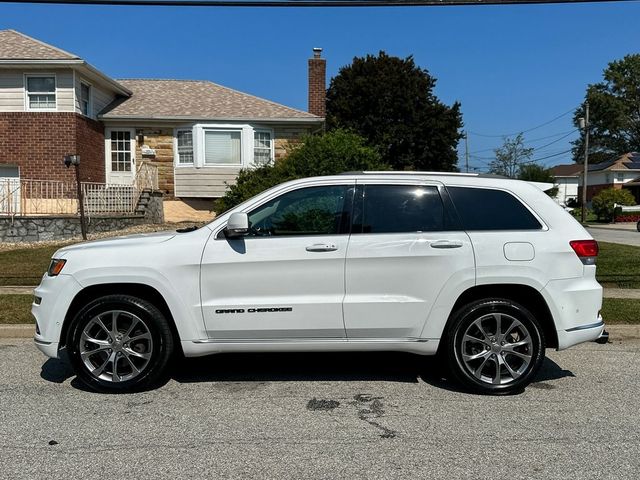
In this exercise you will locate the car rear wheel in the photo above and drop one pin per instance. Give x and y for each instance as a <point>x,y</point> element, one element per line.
<point>495,346</point>
<point>119,343</point>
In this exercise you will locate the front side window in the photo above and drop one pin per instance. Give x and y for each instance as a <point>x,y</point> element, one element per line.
<point>222,147</point>
<point>400,208</point>
<point>486,209</point>
<point>85,99</point>
<point>308,211</point>
<point>262,147</point>
<point>185,147</point>
<point>41,92</point>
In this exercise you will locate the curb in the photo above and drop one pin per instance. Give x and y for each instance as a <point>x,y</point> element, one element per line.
<point>19,330</point>
<point>616,332</point>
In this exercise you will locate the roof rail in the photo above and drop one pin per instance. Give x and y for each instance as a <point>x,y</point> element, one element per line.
<point>412,172</point>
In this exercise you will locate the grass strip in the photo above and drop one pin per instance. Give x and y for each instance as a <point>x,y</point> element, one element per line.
<point>16,309</point>
<point>621,311</point>
<point>618,265</point>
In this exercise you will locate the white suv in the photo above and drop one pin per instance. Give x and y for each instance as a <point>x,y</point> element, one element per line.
<point>485,271</point>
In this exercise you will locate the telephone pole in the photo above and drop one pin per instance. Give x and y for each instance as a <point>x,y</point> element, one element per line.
<point>466,149</point>
<point>584,124</point>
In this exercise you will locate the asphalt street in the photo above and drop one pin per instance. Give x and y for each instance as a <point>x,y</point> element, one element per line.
<point>626,237</point>
<point>372,416</point>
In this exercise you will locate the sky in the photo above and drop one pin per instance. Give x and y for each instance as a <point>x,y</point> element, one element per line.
<point>512,68</point>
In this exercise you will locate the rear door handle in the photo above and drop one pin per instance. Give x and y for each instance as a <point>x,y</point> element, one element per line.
<point>322,247</point>
<point>446,244</point>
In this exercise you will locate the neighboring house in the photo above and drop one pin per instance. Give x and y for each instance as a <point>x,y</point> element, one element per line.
<point>199,134</point>
<point>624,172</point>
<point>567,178</point>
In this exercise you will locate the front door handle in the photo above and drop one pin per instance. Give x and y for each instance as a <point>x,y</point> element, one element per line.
<point>446,244</point>
<point>322,247</point>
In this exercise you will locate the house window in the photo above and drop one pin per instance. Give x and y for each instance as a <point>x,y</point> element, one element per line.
<point>185,147</point>
<point>41,92</point>
<point>262,151</point>
<point>222,147</point>
<point>620,176</point>
<point>85,99</point>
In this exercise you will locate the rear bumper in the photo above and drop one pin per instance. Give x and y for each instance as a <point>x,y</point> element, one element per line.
<point>580,334</point>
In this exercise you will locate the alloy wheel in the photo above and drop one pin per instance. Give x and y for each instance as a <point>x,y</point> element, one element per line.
<point>116,346</point>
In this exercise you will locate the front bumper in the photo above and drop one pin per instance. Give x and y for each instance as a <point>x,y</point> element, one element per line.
<point>56,294</point>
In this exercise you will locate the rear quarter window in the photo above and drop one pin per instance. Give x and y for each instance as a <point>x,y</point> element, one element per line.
<point>488,209</point>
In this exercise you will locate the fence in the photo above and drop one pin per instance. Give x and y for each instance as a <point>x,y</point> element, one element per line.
<point>49,197</point>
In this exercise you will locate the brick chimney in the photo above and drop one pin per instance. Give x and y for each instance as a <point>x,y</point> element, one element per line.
<point>317,83</point>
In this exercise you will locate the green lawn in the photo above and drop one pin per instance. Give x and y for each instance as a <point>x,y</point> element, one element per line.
<point>618,265</point>
<point>617,311</point>
<point>25,266</point>
<point>16,309</point>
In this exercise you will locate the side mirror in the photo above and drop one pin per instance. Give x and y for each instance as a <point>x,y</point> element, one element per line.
<point>237,225</point>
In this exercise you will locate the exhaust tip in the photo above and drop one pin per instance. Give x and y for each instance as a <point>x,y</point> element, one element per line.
<point>603,338</point>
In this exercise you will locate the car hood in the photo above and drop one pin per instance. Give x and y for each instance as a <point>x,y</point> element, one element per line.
<point>125,241</point>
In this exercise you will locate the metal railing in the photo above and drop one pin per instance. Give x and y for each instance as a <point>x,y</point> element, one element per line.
<point>50,197</point>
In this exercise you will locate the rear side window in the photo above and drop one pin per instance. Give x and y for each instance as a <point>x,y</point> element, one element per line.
<point>485,209</point>
<point>399,208</point>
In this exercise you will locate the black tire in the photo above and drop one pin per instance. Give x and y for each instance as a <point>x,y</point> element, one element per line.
<point>135,362</point>
<point>638,226</point>
<point>518,326</point>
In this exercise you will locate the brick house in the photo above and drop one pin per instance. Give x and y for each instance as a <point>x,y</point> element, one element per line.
<point>199,134</point>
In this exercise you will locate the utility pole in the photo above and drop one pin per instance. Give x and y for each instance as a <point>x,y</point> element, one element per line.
<point>466,149</point>
<point>584,124</point>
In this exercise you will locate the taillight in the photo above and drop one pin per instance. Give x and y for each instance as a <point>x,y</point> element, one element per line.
<point>586,250</point>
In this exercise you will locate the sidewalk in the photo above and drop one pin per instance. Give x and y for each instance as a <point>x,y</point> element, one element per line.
<point>624,227</point>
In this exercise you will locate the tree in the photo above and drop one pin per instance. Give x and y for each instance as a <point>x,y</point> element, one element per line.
<point>602,203</point>
<point>329,154</point>
<point>390,102</point>
<point>510,157</point>
<point>614,111</point>
<point>533,172</point>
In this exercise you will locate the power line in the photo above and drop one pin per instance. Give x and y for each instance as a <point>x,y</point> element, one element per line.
<point>299,3</point>
<point>526,130</point>
<point>567,133</point>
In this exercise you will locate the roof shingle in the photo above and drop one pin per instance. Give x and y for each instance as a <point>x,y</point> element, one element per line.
<point>194,99</point>
<point>18,46</point>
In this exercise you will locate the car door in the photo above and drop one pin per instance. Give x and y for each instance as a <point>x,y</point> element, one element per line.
<point>404,249</point>
<point>285,279</point>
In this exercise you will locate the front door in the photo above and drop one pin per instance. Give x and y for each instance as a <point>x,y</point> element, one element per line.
<point>120,156</point>
<point>286,278</point>
<point>404,249</point>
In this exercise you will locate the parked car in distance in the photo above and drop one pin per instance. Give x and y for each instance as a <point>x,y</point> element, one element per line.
<point>485,272</point>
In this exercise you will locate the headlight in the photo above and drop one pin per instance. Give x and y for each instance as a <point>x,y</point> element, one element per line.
<point>55,267</point>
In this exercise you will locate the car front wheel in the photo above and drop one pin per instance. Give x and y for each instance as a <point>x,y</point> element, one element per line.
<point>119,343</point>
<point>495,346</point>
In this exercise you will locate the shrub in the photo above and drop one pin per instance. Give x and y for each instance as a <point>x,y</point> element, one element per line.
<point>602,203</point>
<point>329,154</point>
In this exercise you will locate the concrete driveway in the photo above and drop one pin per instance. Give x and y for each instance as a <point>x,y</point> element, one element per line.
<point>280,416</point>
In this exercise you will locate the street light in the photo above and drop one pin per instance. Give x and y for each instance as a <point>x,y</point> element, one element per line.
<point>583,123</point>
<point>75,161</point>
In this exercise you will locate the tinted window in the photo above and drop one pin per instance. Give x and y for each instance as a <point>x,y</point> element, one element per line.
<point>484,209</point>
<point>400,208</point>
<point>308,211</point>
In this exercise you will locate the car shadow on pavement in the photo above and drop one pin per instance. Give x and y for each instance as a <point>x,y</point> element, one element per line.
<point>309,367</point>
<point>57,370</point>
